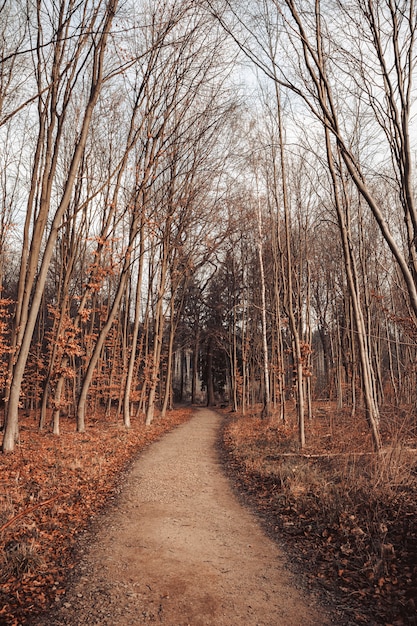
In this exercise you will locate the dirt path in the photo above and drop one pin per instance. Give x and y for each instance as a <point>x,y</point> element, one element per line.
<point>180,550</point>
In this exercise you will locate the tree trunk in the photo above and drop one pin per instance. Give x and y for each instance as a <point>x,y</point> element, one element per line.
<point>210,387</point>
<point>168,379</point>
<point>11,426</point>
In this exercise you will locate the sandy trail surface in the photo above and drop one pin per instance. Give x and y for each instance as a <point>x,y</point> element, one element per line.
<point>179,549</point>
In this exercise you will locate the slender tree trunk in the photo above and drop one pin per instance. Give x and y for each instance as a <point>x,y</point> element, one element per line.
<point>266,411</point>
<point>210,387</point>
<point>11,428</point>
<point>298,357</point>
<point>194,373</point>
<point>168,381</point>
<point>371,407</point>
<point>135,334</point>
<point>158,332</point>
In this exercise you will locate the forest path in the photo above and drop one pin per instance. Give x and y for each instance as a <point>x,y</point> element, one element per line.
<point>180,550</point>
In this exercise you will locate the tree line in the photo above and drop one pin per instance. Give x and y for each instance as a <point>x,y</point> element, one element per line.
<point>204,197</point>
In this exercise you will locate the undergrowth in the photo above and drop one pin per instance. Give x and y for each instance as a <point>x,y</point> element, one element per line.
<point>348,516</point>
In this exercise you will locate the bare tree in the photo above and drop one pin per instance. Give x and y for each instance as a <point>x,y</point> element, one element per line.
<point>93,38</point>
<point>331,75</point>
<point>344,64</point>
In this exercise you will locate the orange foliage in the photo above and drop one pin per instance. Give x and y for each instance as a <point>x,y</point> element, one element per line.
<point>5,348</point>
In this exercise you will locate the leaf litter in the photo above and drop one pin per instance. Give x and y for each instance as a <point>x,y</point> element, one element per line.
<point>347,517</point>
<point>51,489</point>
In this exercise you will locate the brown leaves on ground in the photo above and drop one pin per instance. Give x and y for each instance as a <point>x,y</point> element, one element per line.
<point>348,517</point>
<point>50,490</point>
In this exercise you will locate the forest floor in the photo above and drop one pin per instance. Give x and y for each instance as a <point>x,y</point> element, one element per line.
<point>96,530</point>
<point>346,517</point>
<point>51,491</point>
<point>177,548</point>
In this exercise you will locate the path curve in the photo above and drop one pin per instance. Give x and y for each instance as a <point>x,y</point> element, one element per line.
<point>180,550</point>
